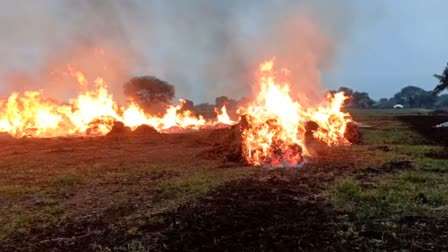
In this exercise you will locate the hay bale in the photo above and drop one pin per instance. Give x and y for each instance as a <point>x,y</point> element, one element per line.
<point>352,133</point>
<point>145,130</point>
<point>5,136</point>
<point>119,129</point>
<point>310,128</point>
<point>226,144</point>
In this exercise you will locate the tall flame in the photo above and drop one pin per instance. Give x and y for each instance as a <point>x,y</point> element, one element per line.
<point>275,135</point>
<point>223,117</point>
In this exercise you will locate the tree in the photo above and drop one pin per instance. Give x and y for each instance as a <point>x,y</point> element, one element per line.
<point>361,100</point>
<point>443,81</point>
<point>356,99</point>
<point>415,97</point>
<point>348,92</point>
<point>442,102</point>
<point>151,93</point>
<point>383,102</point>
<point>221,101</point>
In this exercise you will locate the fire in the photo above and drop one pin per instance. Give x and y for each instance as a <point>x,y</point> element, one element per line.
<point>78,75</point>
<point>223,117</point>
<point>275,135</point>
<point>93,113</point>
<point>28,114</point>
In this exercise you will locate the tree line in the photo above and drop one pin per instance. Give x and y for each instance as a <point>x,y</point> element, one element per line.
<point>409,97</point>
<point>154,95</point>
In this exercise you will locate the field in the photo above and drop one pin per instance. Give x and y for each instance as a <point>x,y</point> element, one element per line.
<point>178,192</point>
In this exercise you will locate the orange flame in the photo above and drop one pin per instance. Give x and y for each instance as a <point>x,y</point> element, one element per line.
<point>223,117</point>
<point>275,135</point>
<point>276,132</point>
<point>93,112</point>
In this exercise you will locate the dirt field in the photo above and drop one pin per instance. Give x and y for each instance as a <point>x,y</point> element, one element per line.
<point>179,192</point>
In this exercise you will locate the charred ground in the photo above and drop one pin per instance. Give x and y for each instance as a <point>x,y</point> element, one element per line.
<point>177,192</point>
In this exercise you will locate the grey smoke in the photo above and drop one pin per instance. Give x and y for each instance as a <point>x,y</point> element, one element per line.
<point>205,48</point>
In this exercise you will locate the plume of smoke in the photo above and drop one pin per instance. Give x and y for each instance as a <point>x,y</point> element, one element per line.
<point>98,38</point>
<point>210,48</point>
<point>205,48</point>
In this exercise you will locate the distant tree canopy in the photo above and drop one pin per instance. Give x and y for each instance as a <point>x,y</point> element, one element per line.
<point>384,103</point>
<point>357,99</point>
<point>347,91</point>
<point>442,101</point>
<point>443,81</point>
<point>362,100</point>
<point>415,97</point>
<point>151,93</point>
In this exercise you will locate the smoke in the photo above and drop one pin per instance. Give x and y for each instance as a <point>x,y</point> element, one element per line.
<point>205,48</point>
<point>98,38</point>
<point>212,48</point>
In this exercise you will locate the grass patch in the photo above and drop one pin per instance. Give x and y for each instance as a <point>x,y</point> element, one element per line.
<point>382,114</point>
<point>65,180</point>
<point>186,189</point>
<point>23,221</point>
<point>407,193</point>
<point>434,165</point>
<point>17,190</point>
<point>379,203</point>
<point>391,136</point>
<point>416,151</point>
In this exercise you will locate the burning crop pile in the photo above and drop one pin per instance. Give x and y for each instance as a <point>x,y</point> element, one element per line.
<point>92,113</point>
<point>272,132</point>
<point>276,124</point>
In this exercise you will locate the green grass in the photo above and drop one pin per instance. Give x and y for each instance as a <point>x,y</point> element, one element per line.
<point>421,191</point>
<point>407,193</point>
<point>376,203</point>
<point>391,136</point>
<point>23,221</point>
<point>187,189</point>
<point>383,114</point>
<point>434,165</point>
<point>47,209</point>
<point>18,190</point>
<point>416,151</point>
<point>65,180</point>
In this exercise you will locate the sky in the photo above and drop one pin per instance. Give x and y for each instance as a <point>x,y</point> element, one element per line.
<point>401,43</point>
<point>377,46</point>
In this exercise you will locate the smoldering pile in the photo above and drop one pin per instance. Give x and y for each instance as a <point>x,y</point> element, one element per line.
<point>226,143</point>
<point>120,130</point>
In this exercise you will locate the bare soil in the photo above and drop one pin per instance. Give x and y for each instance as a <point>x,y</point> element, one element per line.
<point>425,126</point>
<point>267,210</point>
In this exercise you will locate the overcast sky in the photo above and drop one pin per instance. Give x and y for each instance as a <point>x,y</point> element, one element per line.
<point>380,46</point>
<point>401,43</point>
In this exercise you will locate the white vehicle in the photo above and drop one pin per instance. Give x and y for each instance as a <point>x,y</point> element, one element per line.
<point>442,125</point>
<point>398,106</point>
